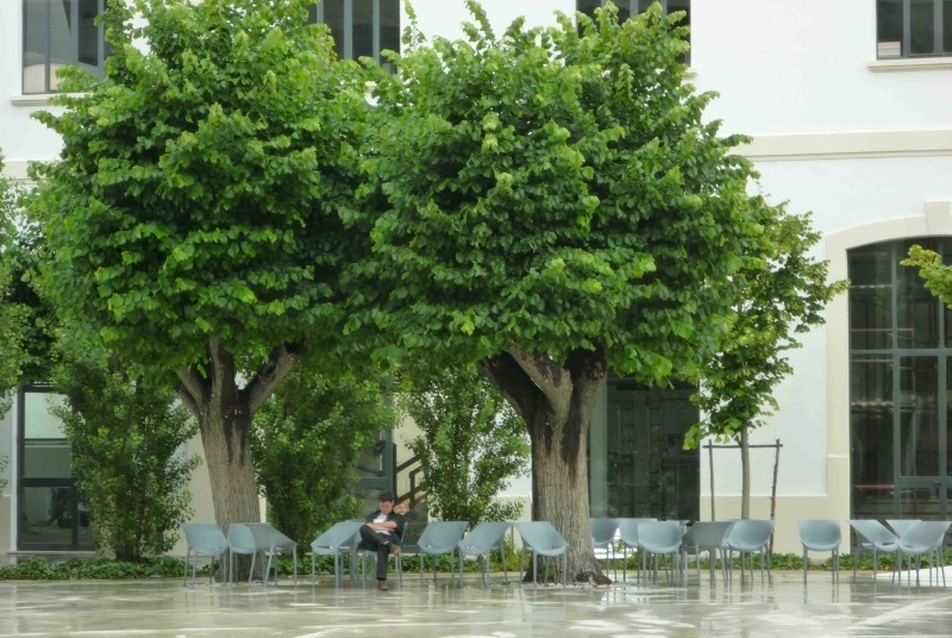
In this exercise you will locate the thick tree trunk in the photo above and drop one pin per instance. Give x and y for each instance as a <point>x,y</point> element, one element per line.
<point>556,403</point>
<point>224,413</point>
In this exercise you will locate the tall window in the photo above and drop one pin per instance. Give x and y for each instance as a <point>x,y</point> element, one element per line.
<point>909,28</point>
<point>360,27</point>
<point>60,33</point>
<point>628,8</point>
<point>900,385</point>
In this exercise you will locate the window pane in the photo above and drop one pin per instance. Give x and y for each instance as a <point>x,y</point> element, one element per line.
<point>919,423</point>
<point>947,26</point>
<point>363,28</point>
<point>918,309</point>
<point>922,26</point>
<point>88,33</point>
<point>35,20</point>
<point>587,7</point>
<point>889,21</point>
<point>871,421</point>
<point>389,27</point>
<point>681,5</point>
<point>870,273</point>
<point>334,19</point>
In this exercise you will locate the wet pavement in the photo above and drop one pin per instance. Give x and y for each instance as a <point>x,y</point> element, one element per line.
<point>781,607</point>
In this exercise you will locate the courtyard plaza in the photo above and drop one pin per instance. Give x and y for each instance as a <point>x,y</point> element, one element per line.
<point>748,608</point>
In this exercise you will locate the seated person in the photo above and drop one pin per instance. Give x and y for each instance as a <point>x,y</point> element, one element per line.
<point>382,533</point>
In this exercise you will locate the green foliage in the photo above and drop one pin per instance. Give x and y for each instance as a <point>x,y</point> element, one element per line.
<point>198,187</point>
<point>97,569</point>
<point>126,438</point>
<point>13,315</point>
<point>937,277</point>
<point>306,441</point>
<point>557,193</point>
<point>472,444</point>
<point>782,291</point>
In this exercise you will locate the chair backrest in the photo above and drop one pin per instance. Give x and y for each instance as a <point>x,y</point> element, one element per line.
<point>748,534</point>
<point>206,538</point>
<point>337,536</point>
<point>820,534</point>
<point>628,529</point>
<point>901,525</point>
<point>660,536</point>
<point>268,538</point>
<point>541,536</point>
<point>874,533</point>
<point>924,535</point>
<point>603,531</point>
<point>441,537</point>
<point>706,535</point>
<point>240,539</point>
<point>483,538</point>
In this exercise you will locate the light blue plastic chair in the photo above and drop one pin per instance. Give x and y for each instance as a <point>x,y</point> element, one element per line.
<point>542,539</point>
<point>628,534</point>
<point>603,537</point>
<point>442,537</point>
<point>271,542</point>
<point>481,541</point>
<point>339,539</point>
<point>900,526</point>
<point>745,537</point>
<point>821,536</point>
<point>872,536</point>
<point>661,538</point>
<point>706,536</point>
<point>204,539</point>
<point>925,537</point>
<point>242,542</point>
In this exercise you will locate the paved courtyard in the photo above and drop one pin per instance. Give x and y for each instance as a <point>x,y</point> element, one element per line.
<point>783,607</point>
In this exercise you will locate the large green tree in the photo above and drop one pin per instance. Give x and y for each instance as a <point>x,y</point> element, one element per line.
<point>557,206</point>
<point>13,315</point>
<point>780,296</point>
<point>192,215</point>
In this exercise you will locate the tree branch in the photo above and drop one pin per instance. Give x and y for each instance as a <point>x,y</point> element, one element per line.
<point>553,380</point>
<point>191,390</point>
<point>513,383</point>
<point>280,362</point>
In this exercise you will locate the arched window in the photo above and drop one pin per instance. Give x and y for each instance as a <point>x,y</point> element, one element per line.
<point>360,27</point>
<point>900,378</point>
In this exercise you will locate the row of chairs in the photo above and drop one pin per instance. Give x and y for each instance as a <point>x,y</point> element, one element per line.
<point>539,538</point>
<point>653,539</point>
<point>249,539</point>
<point>907,538</point>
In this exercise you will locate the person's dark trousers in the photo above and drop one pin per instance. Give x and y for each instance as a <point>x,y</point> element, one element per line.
<point>380,543</point>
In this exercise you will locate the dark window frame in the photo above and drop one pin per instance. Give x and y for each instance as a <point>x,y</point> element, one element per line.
<point>897,28</point>
<point>47,60</point>
<point>345,48</point>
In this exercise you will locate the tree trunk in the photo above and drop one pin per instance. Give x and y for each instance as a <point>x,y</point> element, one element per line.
<point>744,473</point>
<point>224,413</point>
<point>556,403</point>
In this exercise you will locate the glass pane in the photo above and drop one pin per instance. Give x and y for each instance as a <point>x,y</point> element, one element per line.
<point>363,28</point>
<point>312,13</point>
<point>588,7</point>
<point>947,26</point>
<point>920,502</point>
<point>35,17</point>
<point>871,420</point>
<point>681,5</point>
<point>46,459</point>
<point>390,25</point>
<point>922,26</point>
<point>334,19</point>
<point>918,420</point>
<point>644,4</point>
<point>918,309</point>
<point>47,516</point>
<point>870,298</point>
<point>88,33</point>
<point>889,22</point>
<point>38,422</point>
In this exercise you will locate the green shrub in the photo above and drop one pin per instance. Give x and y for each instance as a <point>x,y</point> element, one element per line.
<point>93,569</point>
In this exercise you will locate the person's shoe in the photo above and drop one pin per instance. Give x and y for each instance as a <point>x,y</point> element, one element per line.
<point>394,549</point>
<point>382,585</point>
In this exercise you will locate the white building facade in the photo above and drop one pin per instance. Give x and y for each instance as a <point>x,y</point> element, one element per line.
<point>847,105</point>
